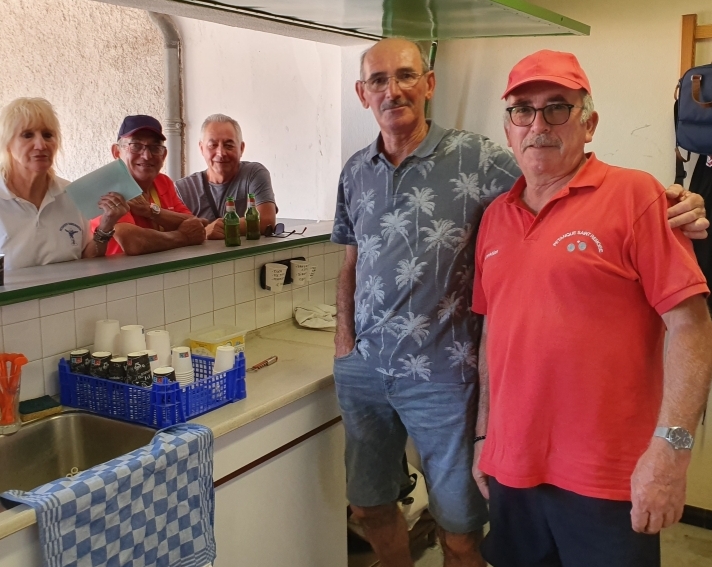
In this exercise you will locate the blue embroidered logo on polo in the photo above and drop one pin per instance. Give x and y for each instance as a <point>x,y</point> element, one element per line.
<point>71,229</point>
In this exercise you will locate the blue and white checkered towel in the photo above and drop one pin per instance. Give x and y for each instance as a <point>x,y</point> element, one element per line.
<point>151,507</point>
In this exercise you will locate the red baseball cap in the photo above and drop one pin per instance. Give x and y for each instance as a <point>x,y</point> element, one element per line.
<point>551,66</point>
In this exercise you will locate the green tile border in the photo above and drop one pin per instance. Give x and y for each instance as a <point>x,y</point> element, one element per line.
<point>48,290</point>
<point>547,15</point>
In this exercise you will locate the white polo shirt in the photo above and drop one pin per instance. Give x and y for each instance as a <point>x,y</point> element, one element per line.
<point>56,233</point>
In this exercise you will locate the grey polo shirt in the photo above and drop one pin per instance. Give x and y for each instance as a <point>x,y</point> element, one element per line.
<point>415,227</point>
<point>252,177</point>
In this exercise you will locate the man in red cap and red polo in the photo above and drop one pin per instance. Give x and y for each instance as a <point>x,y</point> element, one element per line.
<point>586,433</point>
<point>158,220</point>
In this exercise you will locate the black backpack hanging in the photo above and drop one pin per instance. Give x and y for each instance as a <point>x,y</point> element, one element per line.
<point>693,122</point>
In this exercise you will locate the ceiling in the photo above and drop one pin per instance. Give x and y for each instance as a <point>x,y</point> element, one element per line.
<point>415,19</point>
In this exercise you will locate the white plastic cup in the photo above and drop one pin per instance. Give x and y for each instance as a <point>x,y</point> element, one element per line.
<point>160,342</point>
<point>153,359</point>
<point>300,272</point>
<point>224,359</point>
<point>132,339</point>
<point>312,271</point>
<point>107,333</point>
<point>274,276</point>
<point>181,360</point>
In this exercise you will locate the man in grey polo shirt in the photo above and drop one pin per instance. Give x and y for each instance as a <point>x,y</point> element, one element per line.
<point>205,192</point>
<point>408,209</point>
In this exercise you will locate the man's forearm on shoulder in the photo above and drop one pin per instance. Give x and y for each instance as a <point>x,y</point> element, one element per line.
<point>688,364</point>
<point>345,291</point>
<point>136,240</point>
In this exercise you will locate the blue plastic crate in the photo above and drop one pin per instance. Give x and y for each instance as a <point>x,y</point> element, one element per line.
<point>162,404</point>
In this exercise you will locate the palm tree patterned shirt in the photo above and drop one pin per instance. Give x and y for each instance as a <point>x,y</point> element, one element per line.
<point>415,227</point>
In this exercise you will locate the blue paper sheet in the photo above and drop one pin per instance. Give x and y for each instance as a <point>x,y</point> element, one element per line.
<point>87,190</point>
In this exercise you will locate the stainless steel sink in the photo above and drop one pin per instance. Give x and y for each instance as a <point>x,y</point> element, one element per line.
<point>50,448</point>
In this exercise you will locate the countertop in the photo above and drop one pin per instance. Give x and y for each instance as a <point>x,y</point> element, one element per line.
<point>64,277</point>
<point>304,367</point>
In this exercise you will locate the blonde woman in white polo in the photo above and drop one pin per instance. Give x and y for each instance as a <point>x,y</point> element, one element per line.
<point>39,223</point>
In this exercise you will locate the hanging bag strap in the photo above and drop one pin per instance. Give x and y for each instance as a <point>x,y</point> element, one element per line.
<point>680,162</point>
<point>696,89</point>
<point>209,195</point>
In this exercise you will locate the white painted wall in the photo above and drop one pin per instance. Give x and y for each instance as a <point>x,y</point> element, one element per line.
<point>284,92</point>
<point>94,62</point>
<point>632,59</point>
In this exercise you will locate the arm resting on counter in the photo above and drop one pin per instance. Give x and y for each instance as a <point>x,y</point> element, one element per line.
<point>659,481</point>
<point>136,240</point>
<point>345,337</point>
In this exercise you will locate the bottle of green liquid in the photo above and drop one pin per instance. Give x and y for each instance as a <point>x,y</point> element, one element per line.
<point>252,219</point>
<point>231,223</point>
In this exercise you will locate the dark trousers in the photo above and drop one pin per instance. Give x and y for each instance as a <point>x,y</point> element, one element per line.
<point>546,526</point>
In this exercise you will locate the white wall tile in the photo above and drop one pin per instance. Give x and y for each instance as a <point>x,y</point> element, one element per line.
<point>262,259</point>
<point>123,310</point>
<point>20,312</point>
<point>176,303</point>
<point>24,338</point>
<point>149,284</point>
<point>50,367</point>
<point>201,273</point>
<point>282,255</point>
<point>330,292</point>
<point>331,265</point>
<point>316,292</point>
<point>224,316</point>
<point>58,334</point>
<point>300,295</point>
<point>85,322</point>
<point>32,381</point>
<point>244,286</point>
<point>2,344</point>
<point>223,269</point>
<point>316,250</point>
<point>223,291</point>
<point>317,261</point>
<point>179,331</point>
<point>331,247</point>
<point>201,297</point>
<point>282,306</point>
<point>175,279</point>
<point>245,264</point>
<point>201,321</point>
<point>264,311</point>
<point>91,296</point>
<point>150,310</point>
<point>121,290</point>
<point>245,316</point>
<point>300,252</point>
<point>56,304</point>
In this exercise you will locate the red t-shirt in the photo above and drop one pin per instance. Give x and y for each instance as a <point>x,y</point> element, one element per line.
<point>168,199</point>
<point>573,299</point>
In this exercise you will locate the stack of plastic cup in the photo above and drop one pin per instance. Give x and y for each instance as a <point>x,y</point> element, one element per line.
<point>132,339</point>
<point>107,336</point>
<point>182,363</point>
<point>153,359</point>
<point>224,359</point>
<point>160,342</point>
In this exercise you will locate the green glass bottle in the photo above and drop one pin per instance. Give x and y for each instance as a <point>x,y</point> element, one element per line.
<point>231,224</point>
<point>252,219</point>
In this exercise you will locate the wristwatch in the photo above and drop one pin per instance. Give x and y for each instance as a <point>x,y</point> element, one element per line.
<point>155,209</point>
<point>678,437</point>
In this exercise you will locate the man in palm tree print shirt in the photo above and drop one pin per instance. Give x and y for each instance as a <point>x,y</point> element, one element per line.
<point>407,211</point>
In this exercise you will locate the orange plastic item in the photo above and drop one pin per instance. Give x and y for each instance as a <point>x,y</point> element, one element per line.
<point>10,386</point>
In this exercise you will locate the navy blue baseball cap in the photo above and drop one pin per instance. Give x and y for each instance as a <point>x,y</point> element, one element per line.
<point>132,124</point>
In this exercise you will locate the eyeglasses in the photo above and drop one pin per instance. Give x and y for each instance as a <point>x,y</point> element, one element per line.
<point>278,231</point>
<point>554,114</point>
<point>405,80</point>
<point>138,148</point>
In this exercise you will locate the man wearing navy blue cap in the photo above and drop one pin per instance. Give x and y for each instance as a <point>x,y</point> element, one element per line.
<point>158,219</point>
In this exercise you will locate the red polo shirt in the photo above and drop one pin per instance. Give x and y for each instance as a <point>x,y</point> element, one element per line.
<point>167,199</point>
<point>573,299</point>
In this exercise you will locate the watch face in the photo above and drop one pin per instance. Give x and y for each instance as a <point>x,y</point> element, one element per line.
<point>680,438</point>
<point>155,208</point>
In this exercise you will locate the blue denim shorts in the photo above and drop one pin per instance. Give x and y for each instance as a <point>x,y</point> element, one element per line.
<point>379,414</point>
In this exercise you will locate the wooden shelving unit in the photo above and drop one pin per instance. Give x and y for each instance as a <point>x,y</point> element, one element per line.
<point>691,35</point>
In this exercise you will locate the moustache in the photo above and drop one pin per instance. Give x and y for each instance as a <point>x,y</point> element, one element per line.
<point>397,103</point>
<point>541,141</point>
